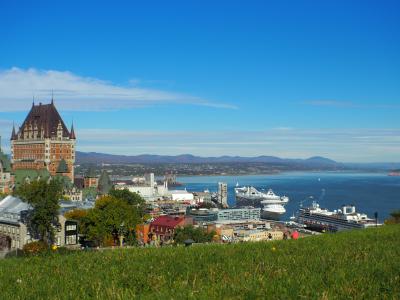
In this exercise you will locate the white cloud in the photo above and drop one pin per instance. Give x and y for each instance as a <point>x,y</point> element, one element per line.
<point>73,92</point>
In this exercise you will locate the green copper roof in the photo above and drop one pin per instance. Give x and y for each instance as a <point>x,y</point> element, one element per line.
<point>65,181</point>
<point>21,176</point>
<point>62,167</point>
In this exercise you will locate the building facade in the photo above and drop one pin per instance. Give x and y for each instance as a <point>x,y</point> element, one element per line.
<point>14,226</point>
<point>223,194</point>
<point>163,228</point>
<point>43,142</point>
<point>245,213</point>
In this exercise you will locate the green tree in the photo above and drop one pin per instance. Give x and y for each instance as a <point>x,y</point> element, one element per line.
<point>44,199</point>
<point>130,198</point>
<point>110,218</point>
<point>394,218</point>
<point>198,235</point>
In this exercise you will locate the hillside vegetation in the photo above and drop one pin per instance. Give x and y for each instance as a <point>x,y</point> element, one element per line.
<point>361,264</point>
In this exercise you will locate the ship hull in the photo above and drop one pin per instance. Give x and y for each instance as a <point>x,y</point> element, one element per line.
<point>269,215</point>
<point>323,224</point>
<point>240,201</point>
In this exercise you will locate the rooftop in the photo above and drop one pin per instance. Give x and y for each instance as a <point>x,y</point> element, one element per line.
<point>45,118</point>
<point>167,221</point>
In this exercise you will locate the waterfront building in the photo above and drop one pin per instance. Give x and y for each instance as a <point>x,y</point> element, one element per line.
<point>181,196</point>
<point>147,188</point>
<point>6,178</point>
<point>13,224</point>
<point>223,194</point>
<point>243,224</point>
<point>244,213</point>
<point>43,142</point>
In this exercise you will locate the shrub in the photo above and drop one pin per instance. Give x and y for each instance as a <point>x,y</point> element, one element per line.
<point>35,248</point>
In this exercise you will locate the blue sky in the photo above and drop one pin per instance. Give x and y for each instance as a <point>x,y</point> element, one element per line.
<point>285,78</point>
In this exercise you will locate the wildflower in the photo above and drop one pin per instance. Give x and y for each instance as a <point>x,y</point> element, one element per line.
<point>273,249</point>
<point>54,247</point>
<point>19,280</point>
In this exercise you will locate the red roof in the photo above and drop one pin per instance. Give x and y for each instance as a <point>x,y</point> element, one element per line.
<point>167,221</point>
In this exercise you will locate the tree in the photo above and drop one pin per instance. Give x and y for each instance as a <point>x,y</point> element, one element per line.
<point>394,218</point>
<point>44,199</point>
<point>105,183</point>
<point>198,235</point>
<point>130,198</point>
<point>110,218</point>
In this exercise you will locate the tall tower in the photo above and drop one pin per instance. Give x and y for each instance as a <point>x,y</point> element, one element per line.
<point>43,142</point>
<point>223,194</point>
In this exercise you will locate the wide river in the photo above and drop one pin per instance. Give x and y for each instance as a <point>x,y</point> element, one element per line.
<point>369,192</point>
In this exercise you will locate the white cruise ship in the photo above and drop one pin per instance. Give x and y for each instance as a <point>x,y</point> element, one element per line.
<point>273,205</point>
<point>319,219</point>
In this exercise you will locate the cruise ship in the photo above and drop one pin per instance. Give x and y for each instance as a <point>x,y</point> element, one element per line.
<point>319,219</point>
<point>273,205</point>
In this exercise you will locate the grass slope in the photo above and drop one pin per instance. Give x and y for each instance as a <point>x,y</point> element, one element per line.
<point>353,265</point>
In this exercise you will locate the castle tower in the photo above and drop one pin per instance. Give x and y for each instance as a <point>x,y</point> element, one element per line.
<point>43,142</point>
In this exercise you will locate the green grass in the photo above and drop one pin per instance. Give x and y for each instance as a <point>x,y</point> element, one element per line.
<point>361,264</point>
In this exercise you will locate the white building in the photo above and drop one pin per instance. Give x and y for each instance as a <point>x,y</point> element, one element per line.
<point>149,191</point>
<point>181,196</point>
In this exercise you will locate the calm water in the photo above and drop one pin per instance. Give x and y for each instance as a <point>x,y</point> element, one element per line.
<point>368,192</point>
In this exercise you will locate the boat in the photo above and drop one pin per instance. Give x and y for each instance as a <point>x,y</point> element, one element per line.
<point>273,205</point>
<point>323,220</point>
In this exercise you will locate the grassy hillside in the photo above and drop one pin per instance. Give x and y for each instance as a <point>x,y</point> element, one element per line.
<point>359,264</point>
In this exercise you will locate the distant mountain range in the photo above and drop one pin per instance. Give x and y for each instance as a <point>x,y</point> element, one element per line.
<point>316,162</point>
<point>96,158</point>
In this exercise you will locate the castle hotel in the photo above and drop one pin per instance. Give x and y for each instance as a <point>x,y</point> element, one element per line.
<point>43,142</point>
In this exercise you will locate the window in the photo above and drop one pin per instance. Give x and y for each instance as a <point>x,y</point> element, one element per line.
<point>71,227</point>
<point>70,240</point>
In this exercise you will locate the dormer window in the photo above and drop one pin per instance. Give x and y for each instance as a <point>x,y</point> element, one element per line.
<point>59,131</point>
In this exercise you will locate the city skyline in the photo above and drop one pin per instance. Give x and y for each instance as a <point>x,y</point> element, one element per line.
<point>294,79</point>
